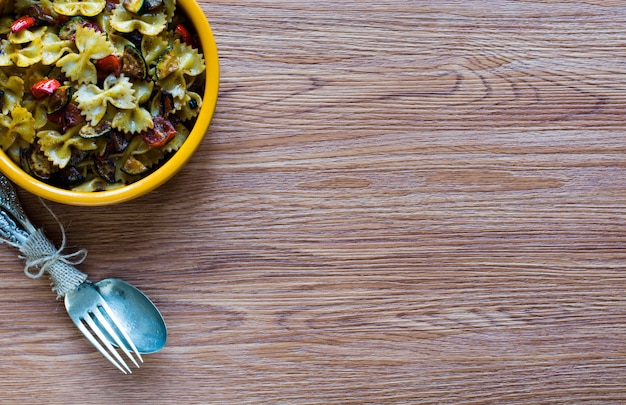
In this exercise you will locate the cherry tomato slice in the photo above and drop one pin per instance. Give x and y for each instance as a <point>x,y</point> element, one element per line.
<point>109,64</point>
<point>161,134</point>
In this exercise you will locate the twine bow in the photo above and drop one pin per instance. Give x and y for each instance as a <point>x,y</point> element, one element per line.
<point>41,257</point>
<point>43,263</point>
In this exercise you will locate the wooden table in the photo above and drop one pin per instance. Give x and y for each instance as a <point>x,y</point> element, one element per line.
<point>397,202</point>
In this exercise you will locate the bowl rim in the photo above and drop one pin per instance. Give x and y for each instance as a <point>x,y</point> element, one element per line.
<point>173,165</point>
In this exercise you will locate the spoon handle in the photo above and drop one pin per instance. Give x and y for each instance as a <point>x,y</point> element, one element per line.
<point>16,230</point>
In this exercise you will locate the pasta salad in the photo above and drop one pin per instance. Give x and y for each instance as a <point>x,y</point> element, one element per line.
<point>96,94</point>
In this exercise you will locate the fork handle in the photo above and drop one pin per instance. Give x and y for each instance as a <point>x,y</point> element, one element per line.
<point>41,254</point>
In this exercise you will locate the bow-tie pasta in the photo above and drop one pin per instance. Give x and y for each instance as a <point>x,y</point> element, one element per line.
<point>87,8</point>
<point>148,24</point>
<point>91,46</point>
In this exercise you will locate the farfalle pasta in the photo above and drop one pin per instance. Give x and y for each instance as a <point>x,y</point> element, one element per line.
<point>87,8</point>
<point>93,100</point>
<point>123,20</point>
<point>92,46</point>
<point>96,94</point>
<point>53,48</point>
<point>13,92</point>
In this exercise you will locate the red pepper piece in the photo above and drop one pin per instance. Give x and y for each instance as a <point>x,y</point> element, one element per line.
<point>22,23</point>
<point>161,134</point>
<point>185,34</point>
<point>44,87</point>
<point>109,64</point>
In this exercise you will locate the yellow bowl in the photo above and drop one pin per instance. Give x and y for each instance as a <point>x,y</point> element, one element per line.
<point>169,168</point>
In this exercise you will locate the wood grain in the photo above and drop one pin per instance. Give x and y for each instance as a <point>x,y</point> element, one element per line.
<point>396,202</point>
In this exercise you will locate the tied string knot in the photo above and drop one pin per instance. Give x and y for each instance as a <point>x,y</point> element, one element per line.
<point>41,257</point>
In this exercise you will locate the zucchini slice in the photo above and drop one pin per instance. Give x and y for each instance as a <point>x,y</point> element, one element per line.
<point>133,64</point>
<point>167,64</point>
<point>35,162</point>
<point>106,169</point>
<point>133,166</point>
<point>68,30</point>
<point>134,6</point>
<point>151,5</point>
<point>60,99</point>
<point>102,128</point>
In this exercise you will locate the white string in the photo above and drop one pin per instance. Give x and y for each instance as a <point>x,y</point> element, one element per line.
<point>41,255</point>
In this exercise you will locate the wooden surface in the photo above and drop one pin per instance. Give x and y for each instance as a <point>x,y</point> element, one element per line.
<point>397,202</point>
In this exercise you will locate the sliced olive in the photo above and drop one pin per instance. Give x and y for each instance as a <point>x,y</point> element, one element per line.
<point>105,169</point>
<point>1,100</point>
<point>60,99</point>
<point>102,128</point>
<point>133,166</point>
<point>167,64</point>
<point>133,64</point>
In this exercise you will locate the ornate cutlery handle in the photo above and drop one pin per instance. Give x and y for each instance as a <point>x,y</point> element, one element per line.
<point>39,253</point>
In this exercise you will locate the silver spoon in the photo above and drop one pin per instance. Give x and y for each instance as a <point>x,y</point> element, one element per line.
<point>138,317</point>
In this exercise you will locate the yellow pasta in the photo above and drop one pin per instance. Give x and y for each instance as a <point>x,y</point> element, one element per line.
<point>13,93</point>
<point>152,47</point>
<point>132,121</point>
<point>25,36</point>
<point>148,24</point>
<point>176,85</point>
<point>143,91</point>
<point>7,50</point>
<point>58,146</point>
<point>20,124</point>
<point>53,48</point>
<point>29,55</point>
<point>93,101</point>
<point>91,45</point>
<point>88,8</point>
<point>190,62</point>
<point>190,106</point>
<point>181,135</point>
<point>5,25</point>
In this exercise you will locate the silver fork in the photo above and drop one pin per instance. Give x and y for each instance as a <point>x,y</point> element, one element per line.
<point>93,317</point>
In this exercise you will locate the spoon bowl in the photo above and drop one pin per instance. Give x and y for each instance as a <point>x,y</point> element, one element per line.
<point>135,312</point>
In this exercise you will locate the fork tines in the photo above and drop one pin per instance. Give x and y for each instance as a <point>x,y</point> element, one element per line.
<point>102,323</point>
